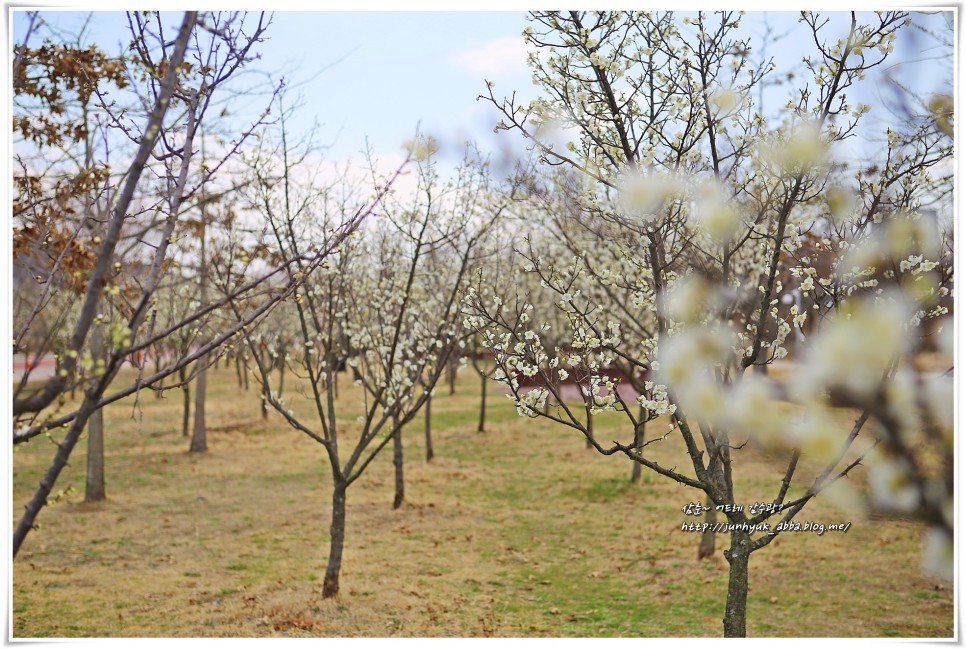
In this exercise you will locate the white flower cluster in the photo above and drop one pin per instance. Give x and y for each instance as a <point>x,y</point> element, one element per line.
<point>655,399</point>
<point>530,403</point>
<point>601,394</point>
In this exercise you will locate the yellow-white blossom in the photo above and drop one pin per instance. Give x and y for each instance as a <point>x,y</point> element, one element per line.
<point>643,196</point>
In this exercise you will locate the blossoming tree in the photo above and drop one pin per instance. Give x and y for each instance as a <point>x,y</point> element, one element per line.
<point>385,308</point>
<point>660,150</point>
<point>176,83</point>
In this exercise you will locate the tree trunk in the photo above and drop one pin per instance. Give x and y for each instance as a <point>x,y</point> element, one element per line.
<point>281,373</point>
<point>159,394</point>
<point>736,606</point>
<point>94,490</point>
<point>429,430</point>
<point>638,442</point>
<point>482,423</point>
<point>706,545</point>
<point>186,392</point>
<point>199,436</point>
<point>397,461</point>
<point>451,370</point>
<point>330,586</point>
<point>590,427</point>
<point>238,371</point>
<point>334,377</point>
<point>265,391</point>
<point>186,418</point>
<point>94,487</point>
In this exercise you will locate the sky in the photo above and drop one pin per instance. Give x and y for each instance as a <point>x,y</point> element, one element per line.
<point>390,73</point>
<point>370,79</point>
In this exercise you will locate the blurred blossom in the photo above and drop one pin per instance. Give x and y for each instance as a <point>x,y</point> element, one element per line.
<point>900,394</point>
<point>703,397</point>
<point>800,152</point>
<point>842,203</point>
<point>549,128</point>
<point>753,408</point>
<point>846,498</point>
<point>642,197</point>
<point>856,347</point>
<point>686,359</point>
<point>940,396</point>
<point>904,239</point>
<point>941,107</point>
<point>724,99</point>
<point>421,147</point>
<point>938,553</point>
<point>715,212</point>
<point>686,299</point>
<point>816,436</point>
<point>686,364</point>
<point>946,338</point>
<point>921,287</point>
<point>891,487</point>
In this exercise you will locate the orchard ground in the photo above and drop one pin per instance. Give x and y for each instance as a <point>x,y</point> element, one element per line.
<point>518,531</point>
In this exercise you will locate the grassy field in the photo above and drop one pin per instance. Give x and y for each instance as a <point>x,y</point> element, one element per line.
<point>519,531</point>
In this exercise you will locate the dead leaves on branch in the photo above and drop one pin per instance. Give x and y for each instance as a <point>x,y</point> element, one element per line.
<point>56,77</point>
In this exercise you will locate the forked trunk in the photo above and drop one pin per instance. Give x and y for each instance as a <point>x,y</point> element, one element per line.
<point>736,606</point>
<point>330,586</point>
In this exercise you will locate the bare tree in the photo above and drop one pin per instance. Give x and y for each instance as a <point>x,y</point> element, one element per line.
<point>176,96</point>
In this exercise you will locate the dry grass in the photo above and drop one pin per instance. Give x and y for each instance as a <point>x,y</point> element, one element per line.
<point>516,532</point>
